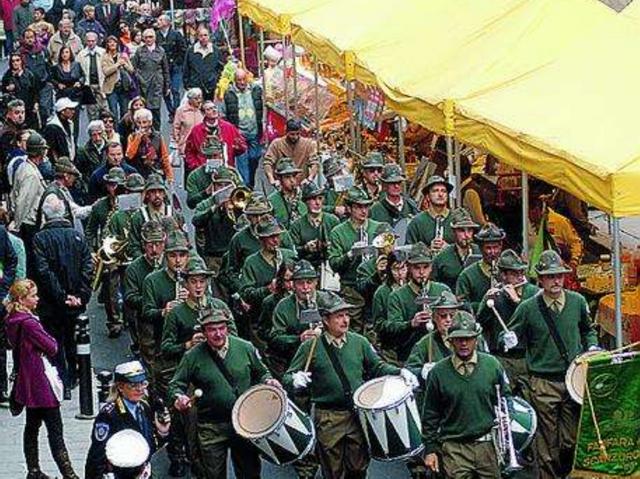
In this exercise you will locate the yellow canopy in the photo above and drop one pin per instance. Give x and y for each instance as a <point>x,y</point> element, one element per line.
<point>632,10</point>
<point>275,15</point>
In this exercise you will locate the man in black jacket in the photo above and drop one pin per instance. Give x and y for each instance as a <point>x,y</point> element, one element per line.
<point>174,46</point>
<point>203,65</point>
<point>108,15</point>
<point>63,274</point>
<point>8,263</point>
<point>22,84</point>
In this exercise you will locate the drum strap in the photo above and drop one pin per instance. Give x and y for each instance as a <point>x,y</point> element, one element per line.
<point>546,314</point>
<point>335,362</point>
<point>223,370</point>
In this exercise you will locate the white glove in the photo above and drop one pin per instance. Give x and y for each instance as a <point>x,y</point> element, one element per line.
<point>595,348</point>
<point>510,340</point>
<point>409,378</point>
<point>426,369</point>
<point>301,379</point>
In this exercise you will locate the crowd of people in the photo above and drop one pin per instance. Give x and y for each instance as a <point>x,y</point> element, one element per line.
<point>397,287</point>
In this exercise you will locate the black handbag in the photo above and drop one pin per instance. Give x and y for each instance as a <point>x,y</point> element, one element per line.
<point>86,96</point>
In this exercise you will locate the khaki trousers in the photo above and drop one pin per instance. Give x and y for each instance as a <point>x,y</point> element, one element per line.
<point>216,439</point>
<point>470,460</point>
<point>341,446</point>
<point>558,417</point>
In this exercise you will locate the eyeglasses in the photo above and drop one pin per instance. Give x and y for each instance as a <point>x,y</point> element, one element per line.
<point>148,36</point>
<point>108,120</point>
<point>136,386</point>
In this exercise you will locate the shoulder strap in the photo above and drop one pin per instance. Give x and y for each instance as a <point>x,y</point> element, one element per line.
<point>546,314</point>
<point>223,370</point>
<point>337,367</point>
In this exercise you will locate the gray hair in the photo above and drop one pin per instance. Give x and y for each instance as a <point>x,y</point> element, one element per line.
<point>149,31</point>
<point>95,125</point>
<point>194,93</point>
<point>91,34</point>
<point>142,114</point>
<point>53,208</point>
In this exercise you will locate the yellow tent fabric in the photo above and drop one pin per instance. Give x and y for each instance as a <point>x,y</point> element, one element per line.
<point>632,10</point>
<point>275,15</point>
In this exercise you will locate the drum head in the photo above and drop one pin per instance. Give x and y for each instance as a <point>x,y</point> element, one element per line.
<point>576,376</point>
<point>524,422</point>
<point>381,393</point>
<point>259,411</point>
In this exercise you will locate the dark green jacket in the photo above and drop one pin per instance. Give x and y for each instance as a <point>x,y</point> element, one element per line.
<point>197,183</point>
<point>158,288</point>
<point>423,228</point>
<point>256,275</point>
<point>401,310</point>
<point>574,326</point>
<point>472,285</point>
<point>461,408</point>
<point>302,232</point>
<point>447,265</point>
<point>96,227</point>
<point>358,359</point>
<point>134,277</point>
<point>432,344</point>
<point>214,228</point>
<point>284,337</point>
<point>384,212</point>
<point>198,369</point>
<point>285,212</point>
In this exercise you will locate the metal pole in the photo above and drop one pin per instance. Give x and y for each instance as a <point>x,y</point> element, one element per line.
<point>316,95</point>
<point>241,37</point>
<point>525,214</point>
<point>456,172</point>
<point>104,384</point>
<point>449,142</point>
<point>352,126</point>
<point>401,158</point>
<point>285,87</point>
<point>617,280</point>
<point>173,14</point>
<point>264,80</point>
<point>295,73</point>
<point>85,376</point>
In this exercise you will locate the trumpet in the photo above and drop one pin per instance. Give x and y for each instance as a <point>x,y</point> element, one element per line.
<point>363,239</point>
<point>424,300</point>
<point>239,198</point>
<point>503,437</point>
<point>178,284</point>
<point>112,252</point>
<point>495,283</point>
<point>439,232</point>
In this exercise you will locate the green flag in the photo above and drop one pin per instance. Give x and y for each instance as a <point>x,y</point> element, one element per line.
<point>614,389</point>
<point>544,241</point>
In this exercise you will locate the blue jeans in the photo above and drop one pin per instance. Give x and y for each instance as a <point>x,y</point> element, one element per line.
<point>118,102</point>
<point>247,163</point>
<point>172,101</point>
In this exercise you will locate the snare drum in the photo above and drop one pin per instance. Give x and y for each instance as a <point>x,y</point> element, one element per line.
<point>265,416</point>
<point>524,422</point>
<point>389,418</point>
<point>576,376</point>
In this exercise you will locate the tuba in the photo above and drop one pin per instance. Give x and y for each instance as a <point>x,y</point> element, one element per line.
<point>112,252</point>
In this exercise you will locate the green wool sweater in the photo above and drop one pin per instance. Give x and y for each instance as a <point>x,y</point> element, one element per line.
<point>180,323</point>
<point>284,337</point>
<point>302,232</point>
<point>574,326</point>
<point>256,275</point>
<point>134,277</point>
<point>96,226</point>
<point>330,198</point>
<point>431,344</point>
<point>472,285</point>
<point>447,265</point>
<point>367,279</point>
<point>341,240</point>
<point>423,228</point>
<point>358,359</point>
<point>265,321</point>
<point>197,183</point>
<point>379,312</point>
<point>283,211</point>
<point>385,212</point>
<point>120,226</point>
<point>197,368</point>
<point>214,228</point>
<point>158,288</point>
<point>491,328</point>
<point>401,310</point>
<point>461,408</point>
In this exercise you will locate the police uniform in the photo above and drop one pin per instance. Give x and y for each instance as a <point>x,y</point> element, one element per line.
<point>128,456</point>
<point>120,415</point>
<point>424,225</point>
<point>287,209</point>
<point>548,358</point>
<point>458,413</point>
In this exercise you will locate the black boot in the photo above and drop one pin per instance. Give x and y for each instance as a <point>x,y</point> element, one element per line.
<point>37,474</point>
<point>64,464</point>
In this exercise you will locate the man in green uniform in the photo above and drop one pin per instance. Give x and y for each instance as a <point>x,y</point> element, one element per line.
<point>180,333</point>
<point>341,360</point>
<point>475,280</point>
<point>515,289</point>
<point>119,224</point>
<point>458,412</point>
<point>310,233</point>
<point>554,327</point>
<point>199,186</point>
<point>348,248</point>
<point>452,259</point>
<point>433,226</point>
<point>223,367</point>
<point>290,326</point>
<point>156,207</point>
<point>393,205</point>
<point>407,321</point>
<point>162,290</point>
<point>371,169</point>
<point>153,238</point>
<point>286,202</point>
<point>258,277</point>
<point>333,167</point>
<point>95,232</point>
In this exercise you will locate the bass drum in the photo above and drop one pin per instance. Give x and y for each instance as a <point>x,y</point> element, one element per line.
<point>524,422</point>
<point>265,416</point>
<point>576,376</point>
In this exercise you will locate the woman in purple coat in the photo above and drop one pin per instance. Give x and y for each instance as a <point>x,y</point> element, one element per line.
<point>30,342</point>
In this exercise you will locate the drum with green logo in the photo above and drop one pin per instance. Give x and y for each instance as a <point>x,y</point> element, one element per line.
<point>523,422</point>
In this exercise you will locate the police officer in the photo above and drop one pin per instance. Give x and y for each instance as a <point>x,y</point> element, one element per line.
<point>223,367</point>
<point>458,413</point>
<point>341,362</point>
<point>286,202</point>
<point>128,456</point>
<point>310,233</point>
<point>407,321</point>
<point>514,289</point>
<point>370,171</point>
<point>393,205</point>
<point>153,238</point>
<point>126,408</point>
<point>554,327</point>
<point>344,259</point>
<point>475,280</point>
<point>453,258</point>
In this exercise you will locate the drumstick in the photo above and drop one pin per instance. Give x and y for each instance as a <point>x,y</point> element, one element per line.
<point>310,356</point>
<point>492,306</point>
<point>197,394</point>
